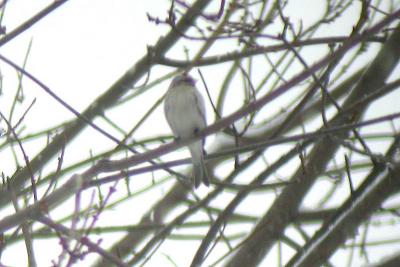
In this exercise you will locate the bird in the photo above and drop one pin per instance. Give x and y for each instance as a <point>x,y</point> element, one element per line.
<point>185,112</point>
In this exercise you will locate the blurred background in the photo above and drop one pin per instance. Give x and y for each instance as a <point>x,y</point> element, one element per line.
<point>303,157</point>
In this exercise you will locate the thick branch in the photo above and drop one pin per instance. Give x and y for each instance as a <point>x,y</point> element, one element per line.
<point>383,181</point>
<point>284,210</point>
<point>259,50</point>
<point>110,97</point>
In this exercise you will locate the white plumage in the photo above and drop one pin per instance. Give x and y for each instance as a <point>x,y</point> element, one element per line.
<point>185,113</point>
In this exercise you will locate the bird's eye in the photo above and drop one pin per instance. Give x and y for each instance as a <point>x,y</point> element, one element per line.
<point>188,80</point>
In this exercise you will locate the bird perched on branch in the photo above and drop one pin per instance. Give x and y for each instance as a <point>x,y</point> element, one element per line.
<point>186,115</point>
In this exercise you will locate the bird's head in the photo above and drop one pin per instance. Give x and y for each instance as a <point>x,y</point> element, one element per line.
<point>183,79</point>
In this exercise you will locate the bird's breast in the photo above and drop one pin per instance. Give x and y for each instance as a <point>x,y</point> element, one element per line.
<point>182,112</point>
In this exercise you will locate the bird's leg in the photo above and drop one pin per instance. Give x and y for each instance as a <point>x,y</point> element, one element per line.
<point>177,138</point>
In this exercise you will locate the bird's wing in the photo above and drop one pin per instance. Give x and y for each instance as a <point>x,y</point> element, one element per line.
<point>200,106</point>
<point>167,112</point>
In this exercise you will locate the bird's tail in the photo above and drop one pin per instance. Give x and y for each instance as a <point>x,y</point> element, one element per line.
<point>199,169</point>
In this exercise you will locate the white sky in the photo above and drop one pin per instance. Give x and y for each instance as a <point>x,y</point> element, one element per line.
<point>79,51</point>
